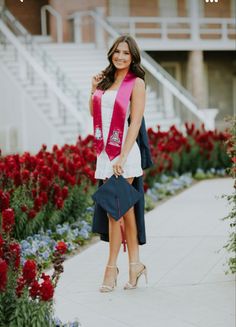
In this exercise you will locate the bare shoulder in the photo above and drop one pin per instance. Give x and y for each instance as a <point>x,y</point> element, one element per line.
<point>139,83</point>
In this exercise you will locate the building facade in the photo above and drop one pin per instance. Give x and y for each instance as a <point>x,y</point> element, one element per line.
<point>197,55</point>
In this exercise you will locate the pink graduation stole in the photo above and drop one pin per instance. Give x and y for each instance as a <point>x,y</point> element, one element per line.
<point>115,135</point>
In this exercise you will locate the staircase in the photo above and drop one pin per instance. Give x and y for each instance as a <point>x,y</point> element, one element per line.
<point>43,81</point>
<point>46,102</point>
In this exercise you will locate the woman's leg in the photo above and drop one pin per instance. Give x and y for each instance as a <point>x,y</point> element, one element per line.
<point>131,232</point>
<point>114,248</point>
<point>131,235</point>
<point>114,240</point>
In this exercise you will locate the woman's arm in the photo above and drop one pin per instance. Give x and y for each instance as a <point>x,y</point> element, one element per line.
<point>91,103</point>
<point>95,80</point>
<point>136,115</point>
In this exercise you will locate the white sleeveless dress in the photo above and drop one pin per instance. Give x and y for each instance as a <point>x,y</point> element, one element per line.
<point>132,166</point>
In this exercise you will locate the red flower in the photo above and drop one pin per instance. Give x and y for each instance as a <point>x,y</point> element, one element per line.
<point>43,183</point>
<point>32,213</point>
<point>55,148</point>
<point>24,208</point>
<point>29,271</point>
<point>62,174</point>
<point>61,247</point>
<point>46,171</point>
<point>25,175</point>
<point>44,147</point>
<point>14,249</point>
<point>44,197</point>
<point>55,168</point>
<point>3,274</point>
<point>20,285</point>
<point>35,175</point>
<point>34,192</point>
<point>145,187</point>
<point>1,246</point>
<point>64,192</point>
<point>46,290</point>
<point>56,189</point>
<point>17,178</point>
<point>34,289</point>
<point>38,202</point>
<point>59,203</point>
<point>4,200</point>
<point>8,220</point>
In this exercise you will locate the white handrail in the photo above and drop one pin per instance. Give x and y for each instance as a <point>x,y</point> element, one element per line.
<point>173,89</point>
<point>58,17</point>
<point>80,117</point>
<point>194,27</point>
<point>40,54</point>
<point>15,22</point>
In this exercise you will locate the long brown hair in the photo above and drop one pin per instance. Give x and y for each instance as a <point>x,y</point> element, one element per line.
<point>135,66</point>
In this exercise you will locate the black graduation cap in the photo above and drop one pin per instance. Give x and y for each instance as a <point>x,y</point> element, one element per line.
<point>116,196</point>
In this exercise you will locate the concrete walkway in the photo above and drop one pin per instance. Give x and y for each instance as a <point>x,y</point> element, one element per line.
<point>185,261</point>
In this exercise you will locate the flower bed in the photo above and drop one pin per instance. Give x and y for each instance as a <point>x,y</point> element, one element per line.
<point>41,246</point>
<point>175,151</point>
<point>26,293</point>
<point>49,188</point>
<point>170,184</point>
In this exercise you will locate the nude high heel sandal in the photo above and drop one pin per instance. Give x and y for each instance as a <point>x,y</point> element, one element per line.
<point>109,288</point>
<point>129,286</point>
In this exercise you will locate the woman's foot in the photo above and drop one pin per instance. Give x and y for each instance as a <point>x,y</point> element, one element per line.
<point>136,269</point>
<point>110,279</point>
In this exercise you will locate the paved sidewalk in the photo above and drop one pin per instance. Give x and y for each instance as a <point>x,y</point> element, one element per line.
<point>185,261</point>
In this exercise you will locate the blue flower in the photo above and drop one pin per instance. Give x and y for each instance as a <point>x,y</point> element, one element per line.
<point>153,196</point>
<point>90,209</point>
<point>84,233</point>
<point>45,255</point>
<point>75,232</point>
<point>158,185</point>
<point>164,178</point>
<point>24,245</point>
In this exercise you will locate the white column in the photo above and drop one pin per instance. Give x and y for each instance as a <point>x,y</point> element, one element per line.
<point>195,77</point>
<point>77,28</point>
<point>194,15</point>
<point>2,3</point>
<point>99,31</point>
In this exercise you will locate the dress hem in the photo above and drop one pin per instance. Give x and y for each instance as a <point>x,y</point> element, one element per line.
<point>133,175</point>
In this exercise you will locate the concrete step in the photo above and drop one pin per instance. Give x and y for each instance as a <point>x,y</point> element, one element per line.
<point>43,39</point>
<point>70,46</point>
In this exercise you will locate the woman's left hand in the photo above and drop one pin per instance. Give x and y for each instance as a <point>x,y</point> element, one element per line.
<point>118,167</point>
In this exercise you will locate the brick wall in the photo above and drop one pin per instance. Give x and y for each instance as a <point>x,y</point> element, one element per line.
<point>66,8</point>
<point>28,13</point>
<point>218,9</point>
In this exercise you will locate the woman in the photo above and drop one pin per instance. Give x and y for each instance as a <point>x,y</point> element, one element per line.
<point>117,105</point>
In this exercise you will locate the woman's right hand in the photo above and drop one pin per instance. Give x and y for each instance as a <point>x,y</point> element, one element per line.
<point>96,79</point>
